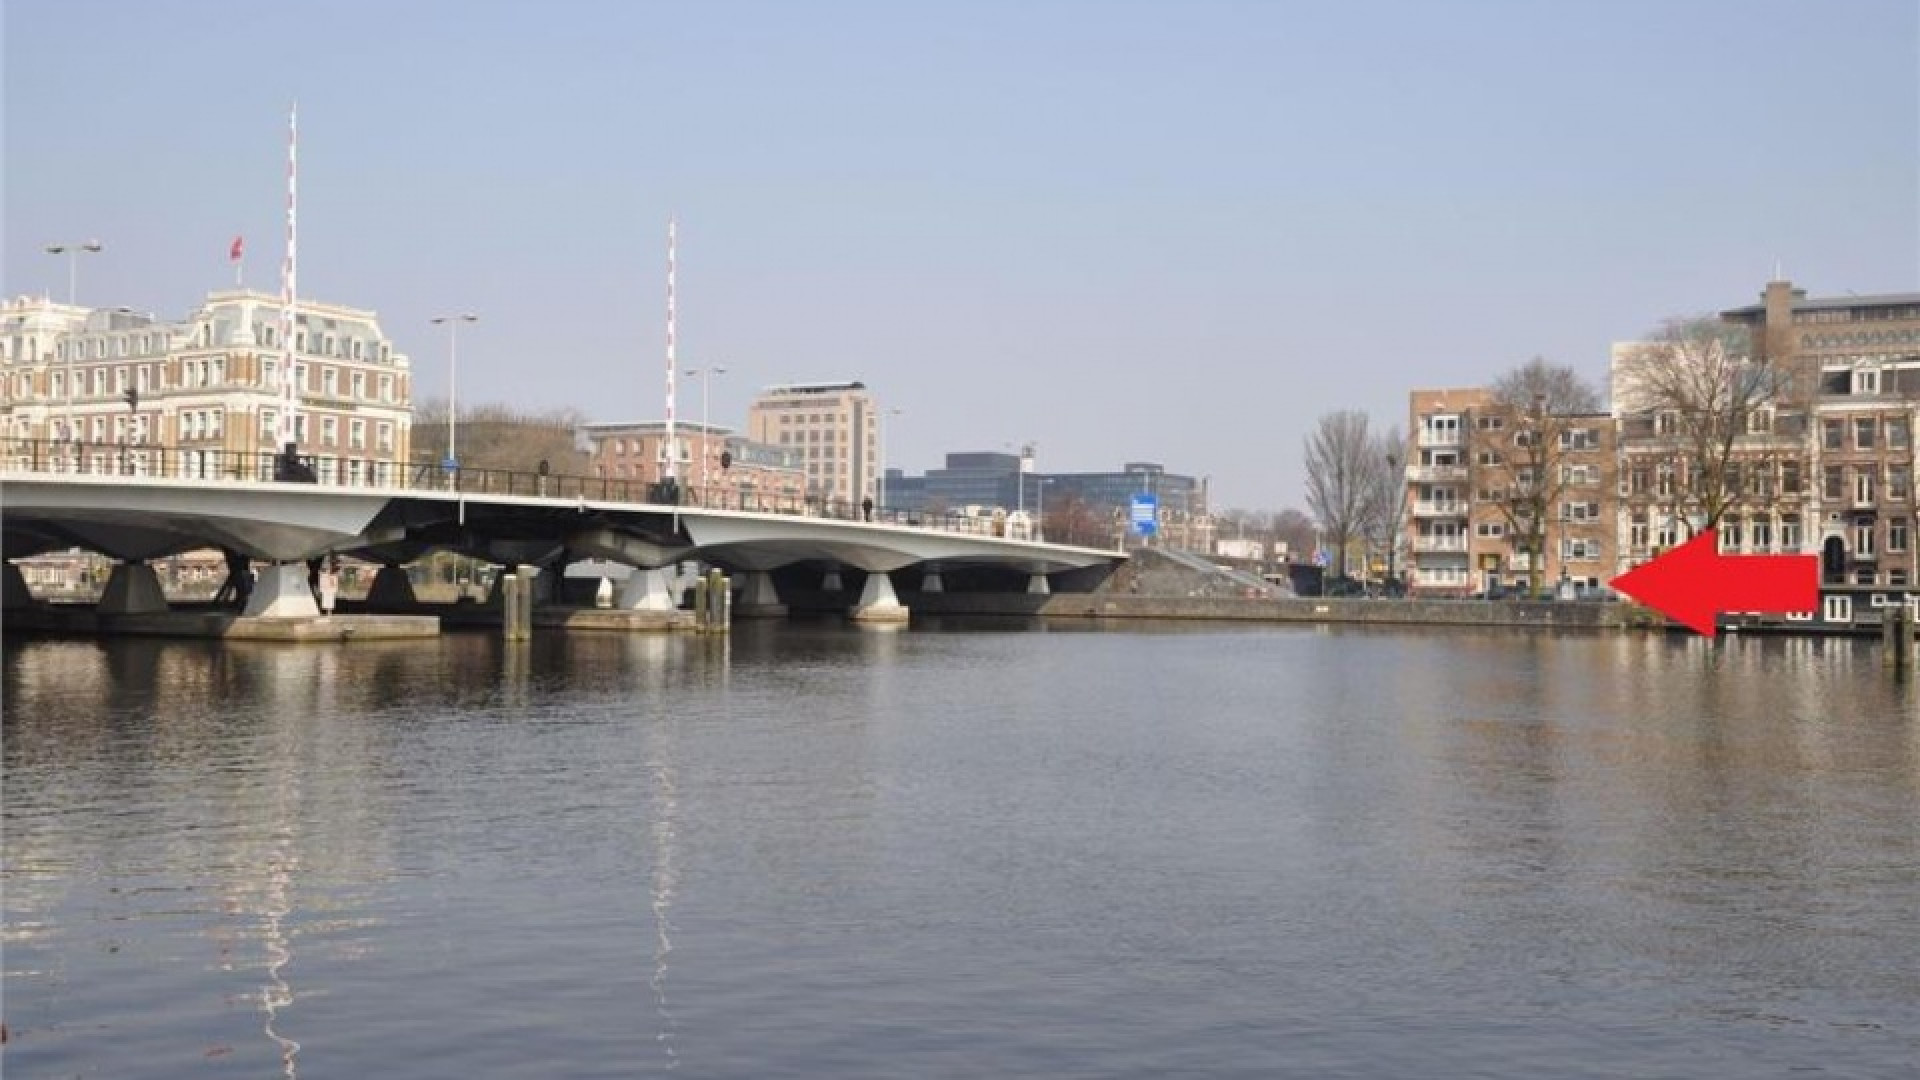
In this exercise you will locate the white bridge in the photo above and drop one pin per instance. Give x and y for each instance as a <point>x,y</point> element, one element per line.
<point>165,503</point>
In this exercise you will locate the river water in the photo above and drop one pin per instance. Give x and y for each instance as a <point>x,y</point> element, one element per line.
<point>969,850</point>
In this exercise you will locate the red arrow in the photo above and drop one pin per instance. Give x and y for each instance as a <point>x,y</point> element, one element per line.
<point>1694,582</point>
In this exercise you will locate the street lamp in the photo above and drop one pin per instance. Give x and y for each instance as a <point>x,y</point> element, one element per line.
<point>1398,524</point>
<point>73,253</point>
<point>452,323</point>
<point>1040,509</point>
<point>882,483</point>
<point>706,433</point>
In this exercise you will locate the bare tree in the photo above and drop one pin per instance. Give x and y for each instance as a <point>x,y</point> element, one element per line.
<point>1344,467</point>
<point>1695,391</point>
<point>493,436</point>
<point>1387,498</point>
<point>1542,419</point>
<point>1294,529</point>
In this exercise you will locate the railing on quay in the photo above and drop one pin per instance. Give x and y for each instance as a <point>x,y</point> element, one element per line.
<point>152,461</point>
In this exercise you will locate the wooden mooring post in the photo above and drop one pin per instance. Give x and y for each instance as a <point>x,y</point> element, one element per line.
<point>712,603</point>
<point>1896,640</point>
<point>516,608</point>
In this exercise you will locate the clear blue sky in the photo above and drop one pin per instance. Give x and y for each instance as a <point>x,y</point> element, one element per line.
<point>1125,230</point>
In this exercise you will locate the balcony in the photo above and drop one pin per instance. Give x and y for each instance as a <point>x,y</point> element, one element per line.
<point>1437,474</point>
<point>1453,508</point>
<point>1437,544</point>
<point>1440,438</point>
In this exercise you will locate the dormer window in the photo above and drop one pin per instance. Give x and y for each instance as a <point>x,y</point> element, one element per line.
<point>1866,381</point>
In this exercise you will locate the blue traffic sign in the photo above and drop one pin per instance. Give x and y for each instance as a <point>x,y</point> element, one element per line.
<point>1320,557</point>
<point>1144,513</point>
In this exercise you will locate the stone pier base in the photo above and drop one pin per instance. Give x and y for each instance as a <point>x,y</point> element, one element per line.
<point>648,590</point>
<point>14,593</point>
<point>132,589</point>
<point>878,604</point>
<point>391,588</point>
<point>282,592</point>
<point>758,598</point>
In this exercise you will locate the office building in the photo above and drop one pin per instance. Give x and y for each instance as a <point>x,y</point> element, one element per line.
<point>831,427</point>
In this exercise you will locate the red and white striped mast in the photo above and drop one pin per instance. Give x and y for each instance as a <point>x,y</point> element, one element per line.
<point>285,427</point>
<point>672,468</point>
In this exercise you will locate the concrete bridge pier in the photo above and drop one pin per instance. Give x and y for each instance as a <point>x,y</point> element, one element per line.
<point>391,588</point>
<point>648,590</point>
<point>133,589</point>
<point>878,604</point>
<point>931,582</point>
<point>1037,586</point>
<point>832,583</point>
<point>758,598</point>
<point>281,592</point>
<point>14,593</point>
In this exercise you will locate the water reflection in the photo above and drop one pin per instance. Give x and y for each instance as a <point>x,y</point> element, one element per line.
<point>824,849</point>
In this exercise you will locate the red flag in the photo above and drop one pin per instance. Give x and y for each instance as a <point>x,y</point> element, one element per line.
<point>234,253</point>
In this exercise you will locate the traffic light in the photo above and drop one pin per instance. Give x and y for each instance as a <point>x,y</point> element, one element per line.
<point>133,399</point>
<point>726,459</point>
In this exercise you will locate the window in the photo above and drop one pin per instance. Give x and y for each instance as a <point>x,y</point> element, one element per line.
<point>1579,511</point>
<point>1899,482</point>
<point>1863,540</point>
<point>1897,433</point>
<point>1637,533</point>
<point>1833,433</point>
<point>1664,480</point>
<point>357,434</point>
<point>330,382</point>
<point>1579,549</point>
<point>1490,530</point>
<point>1789,478</point>
<point>1666,423</point>
<point>1790,534</point>
<point>1863,432</point>
<point>1762,534</point>
<point>1866,381</point>
<point>385,432</point>
<point>359,383</point>
<point>1579,439</point>
<point>267,432</point>
<point>1833,483</point>
<point>1489,458</point>
<point>386,388</point>
<point>1490,423</point>
<point>1579,475</point>
<point>1897,536</point>
<point>1760,422</point>
<point>1863,485</point>
<point>1733,534</point>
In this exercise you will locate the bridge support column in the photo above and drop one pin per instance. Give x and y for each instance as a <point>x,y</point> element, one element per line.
<point>1037,586</point>
<point>281,592</point>
<point>832,583</point>
<point>14,593</point>
<point>758,598</point>
<point>649,590</point>
<point>132,589</point>
<point>878,604</point>
<point>931,582</point>
<point>391,588</point>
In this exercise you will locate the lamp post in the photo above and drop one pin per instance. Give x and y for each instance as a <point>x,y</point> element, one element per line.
<point>452,323</point>
<point>881,483</point>
<point>73,253</point>
<point>1395,526</point>
<point>1040,509</point>
<point>706,433</point>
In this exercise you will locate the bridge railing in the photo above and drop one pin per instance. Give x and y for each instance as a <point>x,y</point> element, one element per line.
<point>372,474</point>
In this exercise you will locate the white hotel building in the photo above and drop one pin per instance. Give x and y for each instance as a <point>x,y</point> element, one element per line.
<point>206,383</point>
